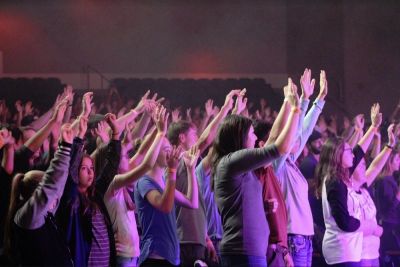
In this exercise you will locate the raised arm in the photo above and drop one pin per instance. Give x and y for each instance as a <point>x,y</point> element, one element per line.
<point>160,119</point>
<point>110,168</point>
<point>208,135</point>
<point>281,119</point>
<point>165,202</point>
<point>191,199</point>
<point>32,214</point>
<point>37,140</point>
<point>207,114</point>
<point>312,115</point>
<point>144,147</point>
<point>376,119</point>
<point>358,130</point>
<point>380,160</point>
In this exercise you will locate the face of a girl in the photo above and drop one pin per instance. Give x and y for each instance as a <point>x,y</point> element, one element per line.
<point>86,173</point>
<point>347,156</point>
<point>251,138</point>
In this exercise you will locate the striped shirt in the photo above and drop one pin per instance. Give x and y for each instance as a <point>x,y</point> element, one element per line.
<point>100,251</point>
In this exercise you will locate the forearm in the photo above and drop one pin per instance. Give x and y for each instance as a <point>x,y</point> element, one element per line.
<point>355,137</point>
<point>8,159</point>
<point>377,164</point>
<point>289,133</point>
<point>168,196</point>
<point>128,117</point>
<point>41,121</point>
<point>141,127</point>
<point>376,147</point>
<point>67,115</point>
<point>203,123</point>
<point>145,146</point>
<point>208,135</point>
<point>367,138</point>
<point>280,121</point>
<point>37,140</point>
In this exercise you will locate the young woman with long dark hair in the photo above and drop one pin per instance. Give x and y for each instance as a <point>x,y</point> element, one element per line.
<point>342,242</point>
<point>237,189</point>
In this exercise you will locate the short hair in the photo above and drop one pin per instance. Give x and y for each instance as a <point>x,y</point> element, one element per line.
<point>177,128</point>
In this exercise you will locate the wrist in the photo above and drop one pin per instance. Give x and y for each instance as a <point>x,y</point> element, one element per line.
<point>303,97</point>
<point>295,109</point>
<point>390,146</point>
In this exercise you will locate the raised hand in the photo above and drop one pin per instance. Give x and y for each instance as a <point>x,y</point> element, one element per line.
<point>87,104</point>
<point>190,157</point>
<point>176,115</point>
<point>173,157</point>
<point>293,97</point>
<point>59,111</point>
<point>101,131</point>
<point>241,102</point>
<point>69,94</point>
<point>229,98</point>
<point>188,114</point>
<point>160,119</point>
<point>307,84</point>
<point>67,133</point>
<point>209,107</point>
<point>391,135</point>
<point>28,108</point>
<point>359,121</point>
<point>116,128</point>
<point>8,139</point>
<point>323,85</point>
<point>376,116</point>
<point>18,106</point>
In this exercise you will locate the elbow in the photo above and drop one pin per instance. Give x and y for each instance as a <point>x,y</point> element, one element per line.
<point>166,209</point>
<point>282,148</point>
<point>194,205</point>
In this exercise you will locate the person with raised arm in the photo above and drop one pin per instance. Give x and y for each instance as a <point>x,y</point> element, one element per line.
<point>32,237</point>
<point>342,242</point>
<point>293,184</point>
<point>362,179</point>
<point>155,198</point>
<point>192,228</point>
<point>119,202</point>
<point>83,217</point>
<point>238,191</point>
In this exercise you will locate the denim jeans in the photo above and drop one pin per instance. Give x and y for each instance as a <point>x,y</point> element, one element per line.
<point>243,261</point>
<point>300,247</point>
<point>126,262</point>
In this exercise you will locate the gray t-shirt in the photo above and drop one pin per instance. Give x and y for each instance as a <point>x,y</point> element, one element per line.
<point>191,223</point>
<point>238,194</point>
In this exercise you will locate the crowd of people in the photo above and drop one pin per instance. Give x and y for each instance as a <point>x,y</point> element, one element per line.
<point>113,184</point>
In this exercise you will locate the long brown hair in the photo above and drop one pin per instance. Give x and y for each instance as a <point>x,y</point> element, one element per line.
<point>231,137</point>
<point>22,188</point>
<point>330,163</point>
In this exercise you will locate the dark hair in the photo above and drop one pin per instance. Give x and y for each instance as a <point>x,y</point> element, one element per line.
<point>177,128</point>
<point>261,130</point>
<point>330,163</point>
<point>231,136</point>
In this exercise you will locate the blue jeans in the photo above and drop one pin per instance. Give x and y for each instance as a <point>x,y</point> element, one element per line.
<point>126,262</point>
<point>300,247</point>
<point>243,261</point>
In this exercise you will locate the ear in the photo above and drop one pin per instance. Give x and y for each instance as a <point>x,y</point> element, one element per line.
<point>261,143</point>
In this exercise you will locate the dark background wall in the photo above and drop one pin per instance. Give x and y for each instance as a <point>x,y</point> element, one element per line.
<point>356,42</point>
